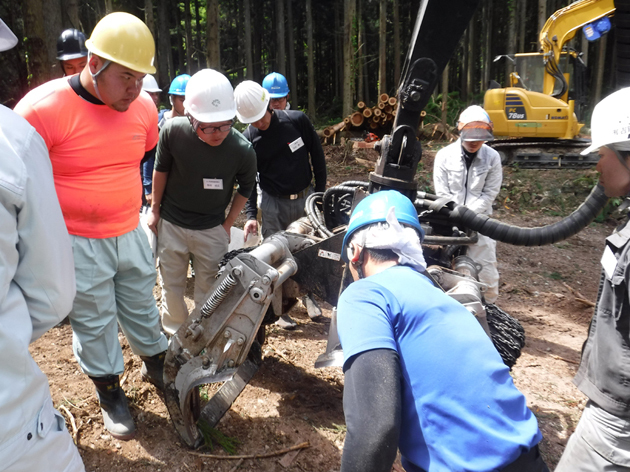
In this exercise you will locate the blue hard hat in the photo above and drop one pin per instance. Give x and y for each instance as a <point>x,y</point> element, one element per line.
<point>276,85</point>
<point>178,85</point>
<point>374,208</point>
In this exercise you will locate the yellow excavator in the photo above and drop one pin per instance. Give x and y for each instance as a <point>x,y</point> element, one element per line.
<point>542,109</point>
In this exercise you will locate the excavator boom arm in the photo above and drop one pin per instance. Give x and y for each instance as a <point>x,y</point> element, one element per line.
<point>563,25</point>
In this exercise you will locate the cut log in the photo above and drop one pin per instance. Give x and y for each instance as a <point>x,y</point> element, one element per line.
<point>346,120</point>
<point>361,105</point>
<point>383,97</point>
<point>357,118</point>
<point>367,112</point>
<point>373,125</point>
<point>381,105</point>
<point>388,109</point>
<point>392,101</point>
<point>378,112</point>
<point>328,132</point>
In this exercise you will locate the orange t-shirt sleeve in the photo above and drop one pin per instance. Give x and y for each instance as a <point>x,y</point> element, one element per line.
<point>25,109</point>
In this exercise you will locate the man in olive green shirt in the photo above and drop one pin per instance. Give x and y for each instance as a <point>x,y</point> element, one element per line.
<point>200,158</point>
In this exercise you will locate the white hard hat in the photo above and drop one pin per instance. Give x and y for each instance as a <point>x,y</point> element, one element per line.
<point>610,123</point>
<point>149,84</point>
<point>7,38</point>
<point>473,113</point>
<point>252,101</point>
<point>210,97</point>
<point>475,124</point>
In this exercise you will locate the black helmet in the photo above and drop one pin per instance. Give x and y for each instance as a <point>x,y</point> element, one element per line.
<point>71,45</point>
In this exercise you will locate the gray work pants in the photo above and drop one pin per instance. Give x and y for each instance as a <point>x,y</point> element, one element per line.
<point>278,213</point>
<point>600,443</point>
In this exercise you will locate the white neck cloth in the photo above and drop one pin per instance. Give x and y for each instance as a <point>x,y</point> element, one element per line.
<point>404,241</point>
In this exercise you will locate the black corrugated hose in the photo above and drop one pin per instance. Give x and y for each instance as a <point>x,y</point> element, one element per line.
<point>565,228</point>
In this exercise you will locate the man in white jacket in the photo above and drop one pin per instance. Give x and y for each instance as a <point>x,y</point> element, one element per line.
<point>37,287</point>
<point>470,173</point>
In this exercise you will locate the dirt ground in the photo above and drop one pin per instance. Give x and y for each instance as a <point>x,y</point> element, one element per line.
<point>288,402</point>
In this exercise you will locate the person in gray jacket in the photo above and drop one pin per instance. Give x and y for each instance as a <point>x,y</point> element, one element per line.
<point>37,287</point>
<point>601,441</point>
<point>470,173</point>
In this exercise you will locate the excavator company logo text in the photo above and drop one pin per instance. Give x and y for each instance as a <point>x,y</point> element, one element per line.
<point>515,113</point>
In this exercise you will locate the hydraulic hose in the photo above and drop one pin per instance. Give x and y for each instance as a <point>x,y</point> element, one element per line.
<point>540,236</point>
<point>315,216</point>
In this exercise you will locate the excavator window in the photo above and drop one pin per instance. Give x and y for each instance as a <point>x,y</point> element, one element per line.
<point>530,70</point>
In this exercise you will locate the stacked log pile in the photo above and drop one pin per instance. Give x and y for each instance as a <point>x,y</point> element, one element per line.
<point>373,119</point>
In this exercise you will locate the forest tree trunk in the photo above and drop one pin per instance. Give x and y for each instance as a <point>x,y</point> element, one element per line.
<point>198,36</point>
<point>350,12</point>
<point>470,66</point>
<point>249,58</point>
<point>445,96</point>
<point>281,61</point>
<point>148,16</point>
<point>360,52</point>
<point>382,47</point>
<point>522,16</point>
<point>487,44</point>
<point>71,16</point>
<point>292,68</point>
<point>188,32</point>
<point>512,38</point>
<point>39,66</point>
<point>542,15</point>
<point>312,110</point>
<point>213,46</point>
<point>396,42</point>
<point>599,70</point>
<point>181,54</point>
<point>166,70</point>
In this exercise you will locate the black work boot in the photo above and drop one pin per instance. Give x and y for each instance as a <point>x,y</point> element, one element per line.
<point>116,415</point>
<point>153,369</point>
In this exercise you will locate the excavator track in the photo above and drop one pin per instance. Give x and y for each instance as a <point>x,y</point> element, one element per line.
<point>545,154</point>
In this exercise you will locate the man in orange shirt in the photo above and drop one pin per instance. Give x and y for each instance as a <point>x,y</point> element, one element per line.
<point>98,126</point>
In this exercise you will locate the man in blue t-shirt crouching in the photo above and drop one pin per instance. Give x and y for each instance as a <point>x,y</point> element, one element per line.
<point>421,375</point>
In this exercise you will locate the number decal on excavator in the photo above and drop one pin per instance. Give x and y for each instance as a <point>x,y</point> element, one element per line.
<point>515,113</point>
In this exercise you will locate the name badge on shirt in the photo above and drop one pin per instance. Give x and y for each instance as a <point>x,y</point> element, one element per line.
<point>297,144</point>
<point>609,262</point>
<point>213,184</point>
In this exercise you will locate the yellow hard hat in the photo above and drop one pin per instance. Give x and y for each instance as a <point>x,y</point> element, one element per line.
<point>124,39</point>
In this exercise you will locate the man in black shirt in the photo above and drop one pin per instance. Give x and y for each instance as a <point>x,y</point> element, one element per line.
<point>288,152</point>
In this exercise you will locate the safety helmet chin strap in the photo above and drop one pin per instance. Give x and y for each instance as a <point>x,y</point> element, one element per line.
<point>95,76</point>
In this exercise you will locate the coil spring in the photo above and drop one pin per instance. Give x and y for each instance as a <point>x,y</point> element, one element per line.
<point>218,296</point>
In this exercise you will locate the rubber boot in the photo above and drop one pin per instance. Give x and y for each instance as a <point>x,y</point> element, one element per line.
<point>312,308</point>
<point>286,322</point>
<point>153,369</point>
<point>116,416</point>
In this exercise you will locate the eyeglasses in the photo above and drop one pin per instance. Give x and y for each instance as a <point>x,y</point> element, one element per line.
<point>216,129</point>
